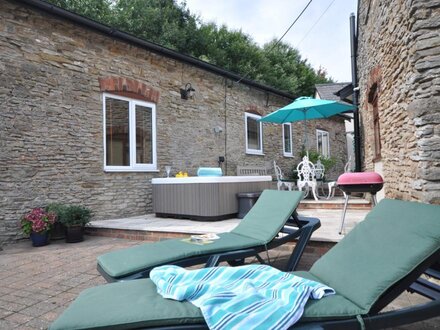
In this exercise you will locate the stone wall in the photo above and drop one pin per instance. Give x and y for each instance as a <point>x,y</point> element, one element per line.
<point>399,51</point>
<point>51,118</point>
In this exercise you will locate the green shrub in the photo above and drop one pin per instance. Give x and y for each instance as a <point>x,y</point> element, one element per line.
<point>57,208</point>
<point>75,215</point>
<point>328,162</point>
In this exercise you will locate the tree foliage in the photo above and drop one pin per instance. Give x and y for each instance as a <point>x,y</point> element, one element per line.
<point>159,21</point>
<point>172,25</point>
<point>99,10</point>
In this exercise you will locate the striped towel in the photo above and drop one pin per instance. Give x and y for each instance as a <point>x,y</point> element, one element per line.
<point>246,297</point>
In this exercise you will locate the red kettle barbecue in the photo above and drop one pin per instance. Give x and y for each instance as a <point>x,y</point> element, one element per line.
<point>361,182</point>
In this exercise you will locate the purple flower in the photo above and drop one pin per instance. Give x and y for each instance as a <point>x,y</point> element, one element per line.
<point>37,221</point>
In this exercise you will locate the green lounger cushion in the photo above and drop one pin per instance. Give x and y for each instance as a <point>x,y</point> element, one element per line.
<point>358,267</point>
<point>259,227</point>
<point>125,305</point>
<point>379,251</point>
<point>334,306</point>
<point>136,304</point>
<point>131,260</point>
<point>269,215</point>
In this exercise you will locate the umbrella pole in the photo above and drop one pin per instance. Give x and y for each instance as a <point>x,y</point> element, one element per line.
<point>305,135</point>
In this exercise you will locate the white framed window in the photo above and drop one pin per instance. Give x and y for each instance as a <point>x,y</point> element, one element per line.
<point>323,143</point>
<point>287,140</point>
<point>129,134</point>
<point>254,134</point>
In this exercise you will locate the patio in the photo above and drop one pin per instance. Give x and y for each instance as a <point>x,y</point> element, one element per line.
<point>150,227</point>
<point>37,284</point>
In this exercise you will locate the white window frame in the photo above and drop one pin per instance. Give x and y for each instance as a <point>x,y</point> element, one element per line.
<point>323,133</point>
<point>285,153</point>
<point>133,167</point>
<point>260,125</point>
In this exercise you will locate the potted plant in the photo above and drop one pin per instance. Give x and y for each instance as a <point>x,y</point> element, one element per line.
<point>37,224</point>
<point>59,230</point>
<point>75,217</point>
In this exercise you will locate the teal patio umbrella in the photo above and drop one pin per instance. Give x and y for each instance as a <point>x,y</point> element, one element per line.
<point>305,108</point>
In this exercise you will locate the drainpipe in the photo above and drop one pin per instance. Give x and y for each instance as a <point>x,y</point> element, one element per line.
<point>226,126</point>
<point>357,136</point>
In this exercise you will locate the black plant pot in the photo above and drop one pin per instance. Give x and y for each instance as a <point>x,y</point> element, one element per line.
<point>58,231</point>
<point>74,234</point>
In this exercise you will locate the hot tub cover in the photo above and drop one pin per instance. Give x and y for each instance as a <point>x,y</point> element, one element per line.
<point>209,171</point>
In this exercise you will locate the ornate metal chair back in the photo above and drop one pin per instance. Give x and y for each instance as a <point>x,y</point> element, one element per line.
<point>306,170</point>
<point>319,170</point>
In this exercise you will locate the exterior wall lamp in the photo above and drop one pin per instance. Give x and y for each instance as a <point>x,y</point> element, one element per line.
<point>187,92</point>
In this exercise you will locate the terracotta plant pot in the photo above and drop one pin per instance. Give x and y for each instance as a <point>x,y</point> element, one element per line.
<point>74,234</point>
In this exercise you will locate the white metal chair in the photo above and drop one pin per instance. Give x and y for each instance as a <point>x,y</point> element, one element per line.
<point>306,177</point>
<point>281,181</point>
<point>332,184</point>
<point>319,176</point>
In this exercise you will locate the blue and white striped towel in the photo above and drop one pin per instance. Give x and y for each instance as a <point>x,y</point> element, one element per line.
<point>246,297</point>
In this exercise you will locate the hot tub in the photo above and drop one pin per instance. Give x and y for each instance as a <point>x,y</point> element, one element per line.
<point>203,198</point>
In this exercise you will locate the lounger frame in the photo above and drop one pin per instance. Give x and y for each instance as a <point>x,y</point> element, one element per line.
<point>301,233</point>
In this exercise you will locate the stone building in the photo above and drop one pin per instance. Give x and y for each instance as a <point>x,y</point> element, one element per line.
<point>333,91</point>
<point>398,60</point>
<point>89,115</point>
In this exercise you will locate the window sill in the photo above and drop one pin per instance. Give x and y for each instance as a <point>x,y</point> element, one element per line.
<point>111,170</point>
<point>254,153</point>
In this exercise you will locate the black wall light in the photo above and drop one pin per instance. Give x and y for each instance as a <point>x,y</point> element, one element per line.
<point>187,92</point>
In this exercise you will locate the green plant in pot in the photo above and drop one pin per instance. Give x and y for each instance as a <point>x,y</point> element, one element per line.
<point>58,230</point>
<point>75,217</point>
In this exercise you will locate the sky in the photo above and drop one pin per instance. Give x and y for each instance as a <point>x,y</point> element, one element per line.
<point>326,44</point>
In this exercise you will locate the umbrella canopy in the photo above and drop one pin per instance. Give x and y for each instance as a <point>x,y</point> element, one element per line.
<point>305,108</point>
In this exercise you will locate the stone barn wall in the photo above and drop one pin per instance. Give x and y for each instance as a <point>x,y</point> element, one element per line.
<point>399,57</point>
<point>54,73</point>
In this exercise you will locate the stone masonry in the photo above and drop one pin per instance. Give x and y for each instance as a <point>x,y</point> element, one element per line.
<point>399,51</point>
<point>51,118</point>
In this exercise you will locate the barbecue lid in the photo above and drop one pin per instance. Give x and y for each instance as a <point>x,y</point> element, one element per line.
<point>360,178</point>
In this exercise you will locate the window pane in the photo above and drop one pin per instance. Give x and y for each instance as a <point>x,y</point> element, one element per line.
<point>287,139</point>
<point>117,132</point>
<point>376,129</point>
<point>144,134</point>
<point>320,142</point>
<point>325,145</point>
<point>253,134</point>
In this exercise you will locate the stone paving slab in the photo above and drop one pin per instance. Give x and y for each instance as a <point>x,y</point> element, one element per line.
<point>37,284</point>
<point>328,232</point>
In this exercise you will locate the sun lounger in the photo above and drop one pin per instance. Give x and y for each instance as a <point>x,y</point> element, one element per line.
<point>259,231</point>
<point>378,260</point>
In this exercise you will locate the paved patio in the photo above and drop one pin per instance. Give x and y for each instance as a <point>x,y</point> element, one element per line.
<point>37,284</point>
